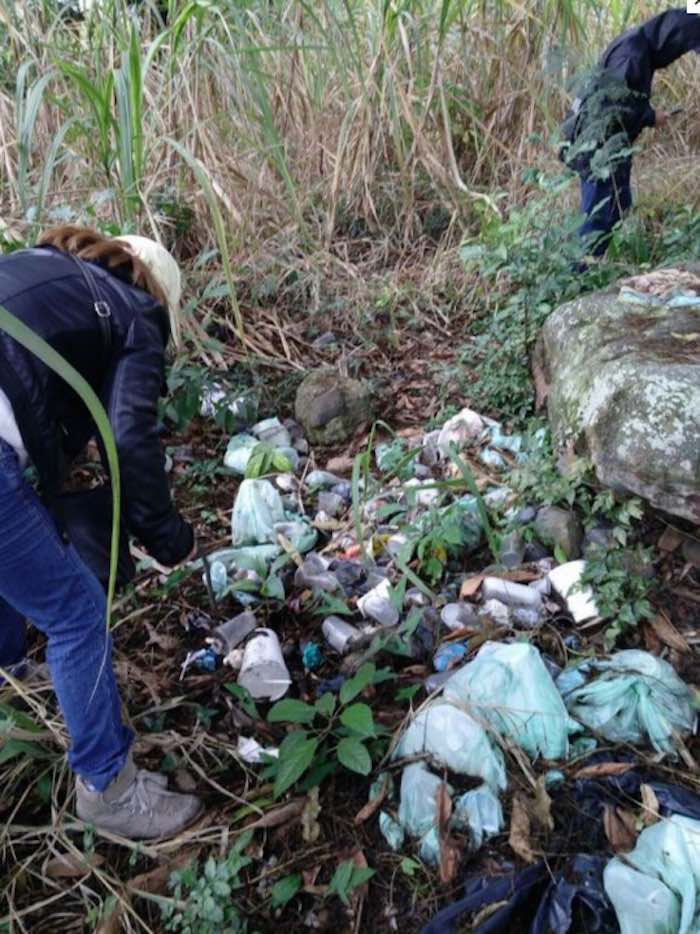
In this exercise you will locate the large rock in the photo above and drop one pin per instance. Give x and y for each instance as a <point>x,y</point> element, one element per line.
<point>332,407</point>
<point>624,389</point>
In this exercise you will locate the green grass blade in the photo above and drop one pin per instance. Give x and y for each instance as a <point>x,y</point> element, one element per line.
<point>19,332</point>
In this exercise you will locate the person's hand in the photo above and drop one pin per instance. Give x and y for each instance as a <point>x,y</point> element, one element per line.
<point>662,118</point>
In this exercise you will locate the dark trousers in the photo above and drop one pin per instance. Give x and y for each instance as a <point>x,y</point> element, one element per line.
<point>603,203</point>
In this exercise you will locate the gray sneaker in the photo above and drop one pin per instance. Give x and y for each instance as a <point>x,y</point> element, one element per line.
<point>136,805</point>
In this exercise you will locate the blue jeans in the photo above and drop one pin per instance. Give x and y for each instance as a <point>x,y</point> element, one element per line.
<point>44,580</point>
<point>603,203</point>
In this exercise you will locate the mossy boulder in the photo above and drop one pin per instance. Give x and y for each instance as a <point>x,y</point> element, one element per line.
<point>331,407</point>
<point>624,391</point>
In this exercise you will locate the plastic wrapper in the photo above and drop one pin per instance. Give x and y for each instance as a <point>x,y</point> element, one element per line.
<point>635,697</point>
<point>418,807</point>
<point>453,739</point>
<point>257,509</point>
<point>238,453</point>
<point>655,889</point>
<point>480,811</point>
<point>509,687</point>
<point>391,830</point>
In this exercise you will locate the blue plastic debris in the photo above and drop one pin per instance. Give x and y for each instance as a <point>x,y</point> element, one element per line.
<point>448,655</point>
<point>312,656</point>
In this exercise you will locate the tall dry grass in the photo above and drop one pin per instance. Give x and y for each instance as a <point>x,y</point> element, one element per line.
<point>282,127</point>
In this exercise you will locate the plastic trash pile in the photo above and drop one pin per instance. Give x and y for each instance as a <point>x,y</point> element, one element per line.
<point>307,537</point>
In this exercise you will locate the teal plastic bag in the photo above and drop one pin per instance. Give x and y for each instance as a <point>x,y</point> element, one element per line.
<point>508,687</point>
<point>635,697</point>
<point>656,889</point>
<point>480,811</point>
<point>454,739</point>
<point>257,509</point>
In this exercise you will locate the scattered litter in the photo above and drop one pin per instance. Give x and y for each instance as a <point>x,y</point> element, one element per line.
<point>448,655</point>
<point>264,672</point>
<point>480,811</point>
<point>453,739</point>
<point>418,807</point>
<point>462,429</point>
<point>508,687</point>
<point>510,593</point>
<point>497,612</point>
<point>272,432</point>
<point>252,752</point>
<point>391,830</point>
<point>377,605</point>
<point>238,453</point>
<point>204,659</point>
<point>566,580</point>
<point>459,616</point>
<point>435,681</point>
<point>339,634</point>
<point>257,509</point>
<point>228,635</point>
<point>322,480</point>
<point>314,573</point>
<point>312,656</point>
<point>657,887</point>
<point>635,696</point>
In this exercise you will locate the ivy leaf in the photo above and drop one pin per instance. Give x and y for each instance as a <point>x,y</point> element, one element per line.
<point>358,683</point>
<point>291,711</point>
<point>354,756</point>
<point>295,756</point>
<point>326,704</point>
<point>358,717</point>
<point>285,890</point>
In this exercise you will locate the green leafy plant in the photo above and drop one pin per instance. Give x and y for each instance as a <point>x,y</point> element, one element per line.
<point>265,460</point>
<point>621,591</point>
<point>203,902</point>
<point>347,878</point>
<point>337,732</point>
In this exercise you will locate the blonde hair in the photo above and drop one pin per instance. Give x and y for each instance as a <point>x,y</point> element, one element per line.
<point>93,246</point>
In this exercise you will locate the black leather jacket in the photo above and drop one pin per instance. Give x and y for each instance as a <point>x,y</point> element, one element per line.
<point>49,292</point>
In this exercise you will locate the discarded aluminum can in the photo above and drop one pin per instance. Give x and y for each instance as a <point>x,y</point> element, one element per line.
<point>264,672</point>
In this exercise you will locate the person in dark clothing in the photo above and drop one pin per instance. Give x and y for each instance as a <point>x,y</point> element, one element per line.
<point>107,306</point>
<point>612,110</point>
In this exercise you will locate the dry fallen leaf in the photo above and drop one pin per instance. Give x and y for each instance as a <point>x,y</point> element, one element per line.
<point>519,836</point>
<point>670,539</point>
<point>311,829</point>
<point>542,807</point>
<point>603,770</point>
<point>375,803</point>
<point>667,632</point>
<point>71,866</point>
<point>163,641</point>
<point>620,828</point>
<point>450,851</point>
<point>470,586</point>
<point>650,805</point>
<point>278,816</point>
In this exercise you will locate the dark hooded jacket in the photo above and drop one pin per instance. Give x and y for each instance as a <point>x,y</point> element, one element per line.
<point>50,292</point>
<point>625,74</point>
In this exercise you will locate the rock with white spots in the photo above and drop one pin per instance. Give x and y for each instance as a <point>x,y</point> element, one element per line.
<point>624,390</point>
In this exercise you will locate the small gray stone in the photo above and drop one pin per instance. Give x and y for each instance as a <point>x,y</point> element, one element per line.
<point>536,551</point>
<point>332,407</point>
<point>343,489</point>
<point>526,515</point>
<point>559,528</point>
<point>331,503</point>
<point>691,552</point>
<point>597,538</point>
<point>422,472</point>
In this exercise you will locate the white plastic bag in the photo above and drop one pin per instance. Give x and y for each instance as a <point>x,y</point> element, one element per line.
<point>508,687</point>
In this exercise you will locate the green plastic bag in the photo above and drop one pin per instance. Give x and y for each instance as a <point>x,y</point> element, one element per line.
<point>257,509</point>
<point>508,687</point>
<point>636,696</point>
<point>656,888</point>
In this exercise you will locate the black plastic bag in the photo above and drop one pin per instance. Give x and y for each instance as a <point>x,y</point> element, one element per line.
<point>86,517</point>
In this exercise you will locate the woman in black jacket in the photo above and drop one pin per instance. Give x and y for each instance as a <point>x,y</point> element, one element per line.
<point>107,306</point>
<point>611,112</point>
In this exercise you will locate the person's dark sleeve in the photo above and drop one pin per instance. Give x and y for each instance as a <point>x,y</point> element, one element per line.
<point>132,408</point>
<point>649,116</point>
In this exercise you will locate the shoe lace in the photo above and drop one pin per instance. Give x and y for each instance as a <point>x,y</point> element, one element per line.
<point>138,798</point>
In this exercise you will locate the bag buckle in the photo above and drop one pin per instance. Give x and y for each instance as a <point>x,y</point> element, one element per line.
<point>102,310</point>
